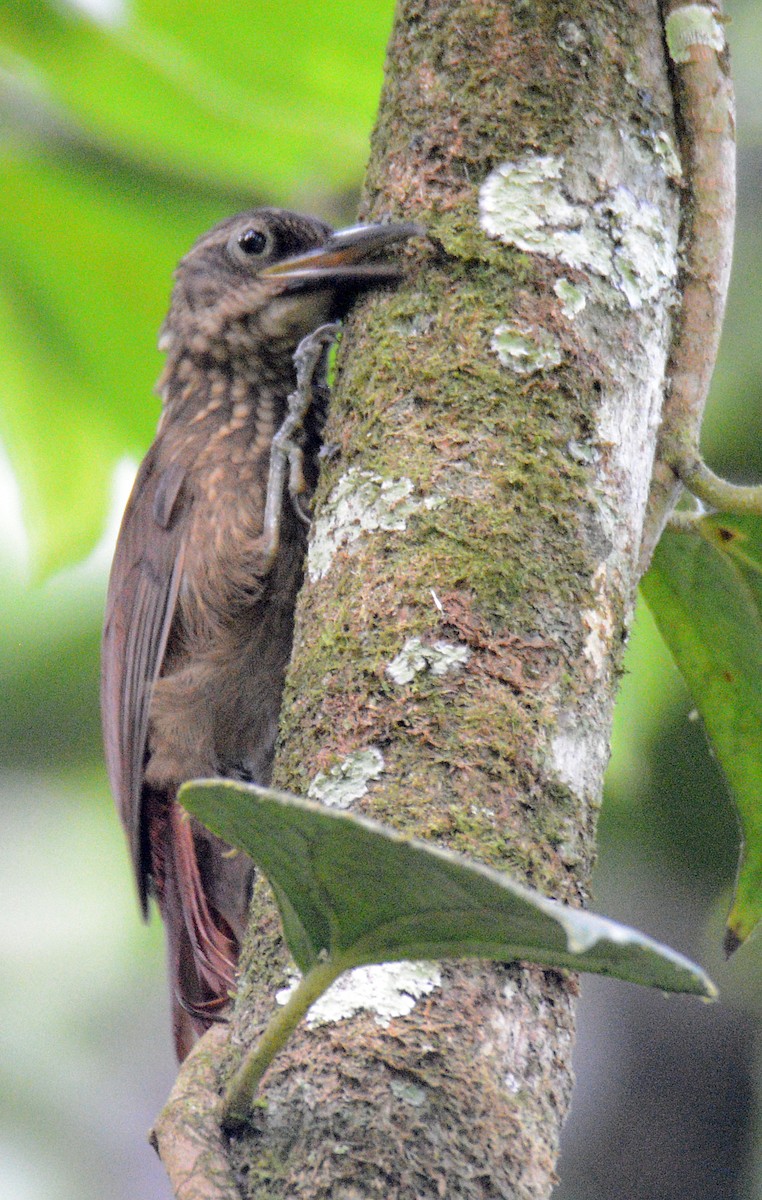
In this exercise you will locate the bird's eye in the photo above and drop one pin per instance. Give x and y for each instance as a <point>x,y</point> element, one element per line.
<point>253,242</point>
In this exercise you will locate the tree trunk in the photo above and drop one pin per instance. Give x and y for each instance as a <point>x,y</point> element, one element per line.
<point>472,573</point>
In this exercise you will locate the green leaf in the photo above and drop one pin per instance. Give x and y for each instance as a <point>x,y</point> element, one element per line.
<point>353,891</point>
<point>704,589</point>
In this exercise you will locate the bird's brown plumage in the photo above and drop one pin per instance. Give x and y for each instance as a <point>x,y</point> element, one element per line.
<point>199,613</point>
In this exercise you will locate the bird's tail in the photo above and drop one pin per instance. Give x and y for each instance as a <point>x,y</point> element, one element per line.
<point>202,949</point>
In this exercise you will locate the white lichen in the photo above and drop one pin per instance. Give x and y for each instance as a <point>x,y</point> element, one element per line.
<point>388,990</point>
<point>667,152</point>
<point>619,236</point>
<point>583,452</point>
<point>525,350</point>
<point>600,630</point>
<point>408,1092</point>
<point>578,757</point>
<point>600,622</point>
<point>348,780</point>
<point>523,204</point>
<point>644,260</point>
<point>570,36</point>
<point>361,502</point>
<point>692,25</point>
<point>415,657</point>
<point>572,297</point>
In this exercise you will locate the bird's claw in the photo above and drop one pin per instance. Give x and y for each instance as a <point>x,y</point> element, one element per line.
<point>311,362</point>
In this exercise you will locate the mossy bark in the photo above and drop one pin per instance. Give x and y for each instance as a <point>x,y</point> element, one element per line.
<point>522,480</point>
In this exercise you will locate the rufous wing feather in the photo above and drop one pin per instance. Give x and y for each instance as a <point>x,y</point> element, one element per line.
<point>142,596</point>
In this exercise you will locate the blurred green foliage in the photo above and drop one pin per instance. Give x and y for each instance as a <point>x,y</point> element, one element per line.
<point>126,129</point>
<point>704,589</point>
<point>122,140</point>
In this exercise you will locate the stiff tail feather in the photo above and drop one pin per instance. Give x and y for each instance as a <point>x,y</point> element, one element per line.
<point>202,950</point>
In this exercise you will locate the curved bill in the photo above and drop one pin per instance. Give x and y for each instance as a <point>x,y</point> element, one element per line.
<point>345,257</point>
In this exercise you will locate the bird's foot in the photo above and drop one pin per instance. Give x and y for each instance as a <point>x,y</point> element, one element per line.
<point>311,362</point>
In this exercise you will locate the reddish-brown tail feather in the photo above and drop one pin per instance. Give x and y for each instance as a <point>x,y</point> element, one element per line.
<point>202,951</point>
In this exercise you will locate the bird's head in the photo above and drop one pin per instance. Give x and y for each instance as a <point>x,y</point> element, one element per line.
<point>263,279</point>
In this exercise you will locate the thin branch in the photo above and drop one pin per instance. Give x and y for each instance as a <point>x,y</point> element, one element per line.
<point>684,521</point>
<point>706,113</point>
<point>717,492</point>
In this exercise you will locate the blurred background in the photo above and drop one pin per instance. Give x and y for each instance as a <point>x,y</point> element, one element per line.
<point>127,128</point>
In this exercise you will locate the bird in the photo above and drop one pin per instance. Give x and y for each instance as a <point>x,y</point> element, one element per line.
<point>200,605</point>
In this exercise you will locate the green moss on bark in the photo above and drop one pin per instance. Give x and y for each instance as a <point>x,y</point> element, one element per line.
<point>424,397</point>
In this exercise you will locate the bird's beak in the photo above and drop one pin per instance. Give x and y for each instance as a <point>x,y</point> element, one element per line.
<point>344,258</point>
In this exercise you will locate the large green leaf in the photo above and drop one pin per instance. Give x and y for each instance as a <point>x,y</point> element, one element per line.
<point>351,890</point>
<point>704,589</point>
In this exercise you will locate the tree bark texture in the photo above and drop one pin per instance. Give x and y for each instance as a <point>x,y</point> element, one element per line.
<point>472,574</point>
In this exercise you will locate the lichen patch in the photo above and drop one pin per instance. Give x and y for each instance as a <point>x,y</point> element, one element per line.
<point>362,502</point>
<point>573,298</point>
<point>388,990</point>
<point>525,350</point>
<point>415,657</point>
<point>535,204</point>
<point>348,780</point>
<point>692,25</point>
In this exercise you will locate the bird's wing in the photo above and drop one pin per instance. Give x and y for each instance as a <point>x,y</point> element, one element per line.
<point>141,601</point>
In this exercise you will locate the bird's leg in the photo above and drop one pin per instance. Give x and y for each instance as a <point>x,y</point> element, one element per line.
<point>311,362</point>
